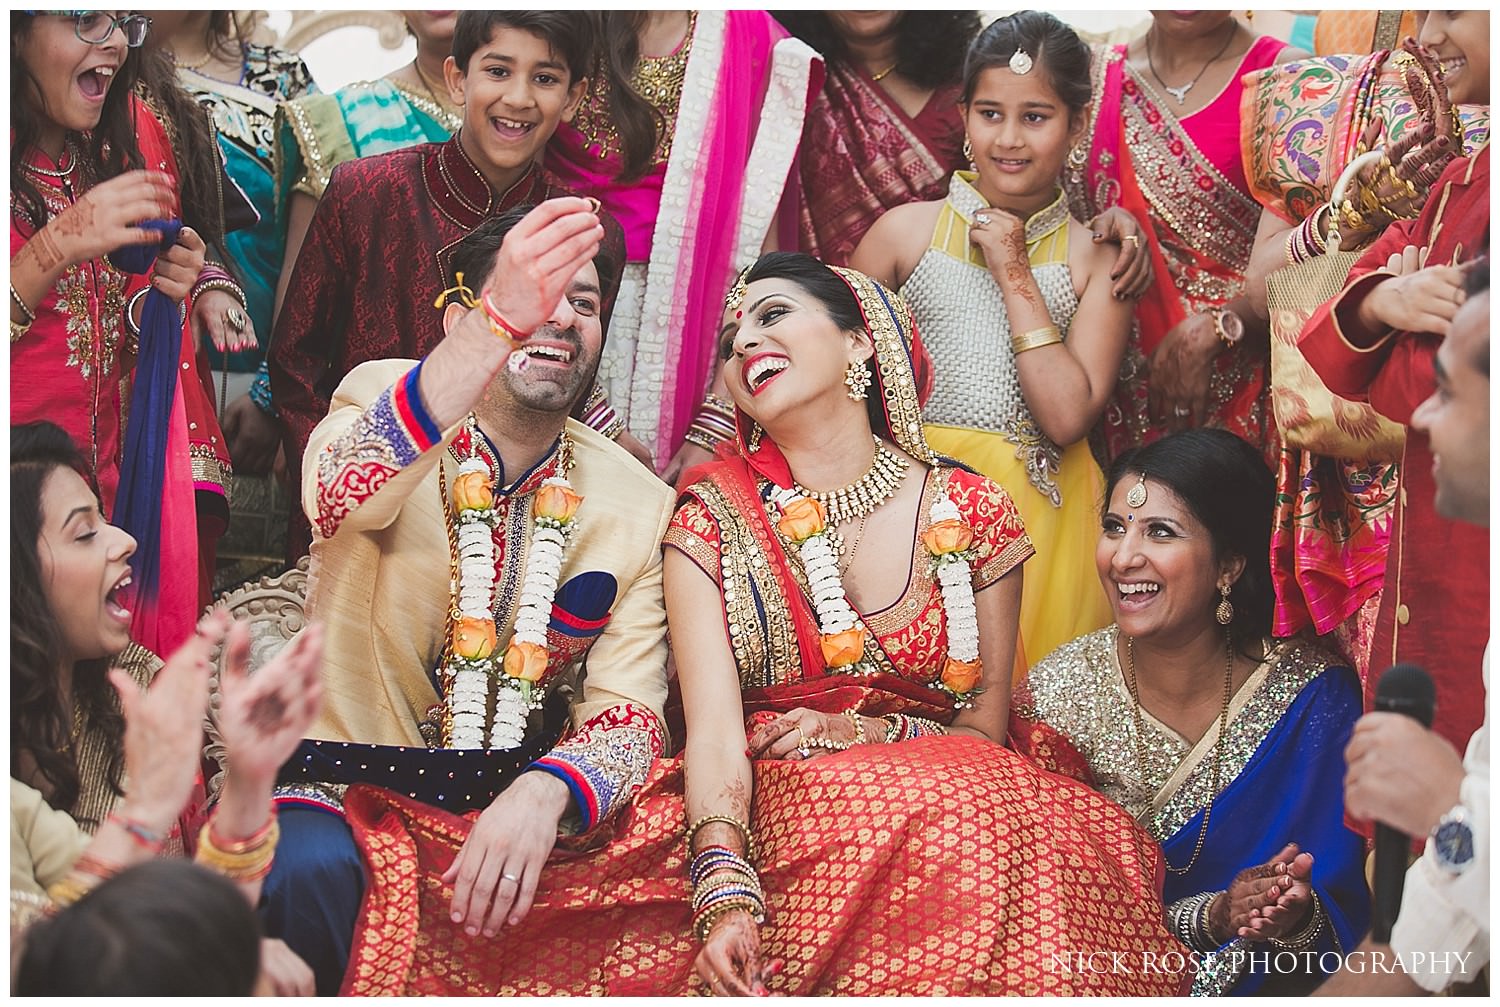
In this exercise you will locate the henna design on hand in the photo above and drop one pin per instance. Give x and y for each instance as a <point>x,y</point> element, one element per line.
<point>44,251</point>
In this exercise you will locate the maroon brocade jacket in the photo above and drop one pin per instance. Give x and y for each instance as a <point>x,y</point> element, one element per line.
<point>375,258</point>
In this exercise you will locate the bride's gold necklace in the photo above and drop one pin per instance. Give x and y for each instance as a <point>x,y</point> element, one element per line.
<point>861,497</point>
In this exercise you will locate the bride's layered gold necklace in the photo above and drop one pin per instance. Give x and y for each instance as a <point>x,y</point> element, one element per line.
<point>859,499</point>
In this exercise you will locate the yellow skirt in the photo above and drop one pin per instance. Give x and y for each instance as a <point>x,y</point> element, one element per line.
<point>1061,597</point>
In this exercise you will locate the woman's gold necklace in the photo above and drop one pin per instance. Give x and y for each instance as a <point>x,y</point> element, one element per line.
<point>869,491</point>
<point>860,498</point>
<point>882,75</point>
<point>1140,748</point>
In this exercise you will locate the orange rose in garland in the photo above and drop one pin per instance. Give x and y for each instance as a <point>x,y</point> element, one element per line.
<point>473,491</point>
<point>525,661</point>
<point>801,519</point>
<point>473,639</point>
<point>948,540</point>
<point>556,501</point>
<point>842,649</point>
<point>960,677</point>
<point>948,536</point>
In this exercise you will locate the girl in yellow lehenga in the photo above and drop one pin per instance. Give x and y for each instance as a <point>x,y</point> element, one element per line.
<point>1014,303</point>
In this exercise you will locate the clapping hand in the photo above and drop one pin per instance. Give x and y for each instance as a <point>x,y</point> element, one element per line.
<point>1421,298</point>
<point>264,716</point>
<point>1268,901</point>
<point>164,725</point>
<point>1400,183</point>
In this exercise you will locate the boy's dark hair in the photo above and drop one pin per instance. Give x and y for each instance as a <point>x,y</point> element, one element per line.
<point>571,35</point>
<point>474,256</point>
<point>162,928</point>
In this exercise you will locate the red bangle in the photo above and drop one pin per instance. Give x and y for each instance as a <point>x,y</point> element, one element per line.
<point>499,325</point>
<point>239,846</point>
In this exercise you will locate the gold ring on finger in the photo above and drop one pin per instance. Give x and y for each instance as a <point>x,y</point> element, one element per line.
<point>236,319</point>
<point>1134,239</point>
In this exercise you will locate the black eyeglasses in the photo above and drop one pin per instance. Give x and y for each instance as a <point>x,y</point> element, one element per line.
<point>96,26</point>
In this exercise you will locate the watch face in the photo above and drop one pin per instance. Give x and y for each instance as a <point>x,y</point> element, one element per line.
<point>1233,325</point>
<point>1454,844</point>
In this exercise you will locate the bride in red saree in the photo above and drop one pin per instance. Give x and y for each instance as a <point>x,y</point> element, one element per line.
<point>889,842</point>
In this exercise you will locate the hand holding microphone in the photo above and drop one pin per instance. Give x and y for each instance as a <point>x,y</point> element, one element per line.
<point>1401,776</point>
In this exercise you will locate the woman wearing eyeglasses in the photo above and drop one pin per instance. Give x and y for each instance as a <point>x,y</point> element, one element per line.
<point>80,189</point>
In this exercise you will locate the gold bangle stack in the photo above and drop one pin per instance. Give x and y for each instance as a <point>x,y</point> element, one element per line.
<point>743,827</point>
<point>247,860</point>
<point>1047,335</point>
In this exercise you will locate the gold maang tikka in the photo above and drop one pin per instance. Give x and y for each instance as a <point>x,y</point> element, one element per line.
<point>735,299</point>
<point>1136,495</point>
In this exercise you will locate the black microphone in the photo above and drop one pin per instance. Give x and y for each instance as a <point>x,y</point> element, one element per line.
<point>1405,689</point>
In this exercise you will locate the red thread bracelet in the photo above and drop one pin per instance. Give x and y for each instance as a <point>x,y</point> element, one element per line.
<point>498,324</point>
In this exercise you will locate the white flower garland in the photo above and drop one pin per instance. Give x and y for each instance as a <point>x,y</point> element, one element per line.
<point>473,624</point>
<point>955,579</point>
<point>804,522</point>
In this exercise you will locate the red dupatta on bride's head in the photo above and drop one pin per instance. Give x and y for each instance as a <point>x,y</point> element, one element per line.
<point>902,382</point>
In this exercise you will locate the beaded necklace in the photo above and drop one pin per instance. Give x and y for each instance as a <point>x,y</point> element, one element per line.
<point>1140,749</point>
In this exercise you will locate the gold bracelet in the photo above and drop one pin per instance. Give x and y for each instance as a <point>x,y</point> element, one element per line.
<point>243,864</point>
<point>18,329</point>
<point>718,404</point>
<point>1035,339</point>
<point>68,891</point>
<point>859,726</point>
<point>25,308</point>
<point>743,828</point>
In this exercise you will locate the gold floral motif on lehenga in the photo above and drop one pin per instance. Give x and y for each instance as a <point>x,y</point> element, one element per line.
<point>89,353</point>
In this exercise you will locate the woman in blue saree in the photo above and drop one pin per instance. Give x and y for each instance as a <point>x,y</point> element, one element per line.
<point>1226,744</point>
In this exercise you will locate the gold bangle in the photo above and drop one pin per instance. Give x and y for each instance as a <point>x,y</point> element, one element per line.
<point>743,827</point>
<point>68,891</point>
<point>25,308</point>
<point>18,329</point>
<point>1035,339</point>
<point>859,726</point>
<point>242,864</point>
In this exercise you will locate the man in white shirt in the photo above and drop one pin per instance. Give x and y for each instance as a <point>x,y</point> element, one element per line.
<point>1404,775</point>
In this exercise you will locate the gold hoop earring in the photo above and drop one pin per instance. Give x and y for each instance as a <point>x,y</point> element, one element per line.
<point>1225,612</point>
<point>857,377</point>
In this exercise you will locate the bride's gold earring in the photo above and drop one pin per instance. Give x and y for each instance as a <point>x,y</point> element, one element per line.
<point>968,151</point>
<point>754,442</point>
<point>857,377</point>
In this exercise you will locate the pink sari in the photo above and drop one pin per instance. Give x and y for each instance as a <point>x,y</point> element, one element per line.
<point>702,215</point>
<point>1183,179</point>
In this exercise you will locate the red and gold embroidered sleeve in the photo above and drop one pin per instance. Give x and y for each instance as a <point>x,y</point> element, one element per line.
<point>606,760</point>
<point>1000,538</point>
<point>694,531</point>
<point>390,434</point>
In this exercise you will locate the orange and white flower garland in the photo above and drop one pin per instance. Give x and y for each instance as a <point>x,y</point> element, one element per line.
<point>804,521</point>
<point>472,662</point>
<point>948,540</point>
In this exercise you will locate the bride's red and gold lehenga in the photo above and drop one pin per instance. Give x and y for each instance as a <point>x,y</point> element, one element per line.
<point>937,865</point>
